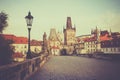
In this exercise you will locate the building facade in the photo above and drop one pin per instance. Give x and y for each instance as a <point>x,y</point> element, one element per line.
<point>20,46</point>
<point>69,36</point>
<point>54,42</point>
<point>69,33</point>
<point>36,46</point>
<point>110,43</point>
<point>102,42</point>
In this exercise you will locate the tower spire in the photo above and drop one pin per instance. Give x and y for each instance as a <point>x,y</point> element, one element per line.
<point>68,23</point>
<point>53,34</point>
<point>74,26</point>
<point>110,32</point>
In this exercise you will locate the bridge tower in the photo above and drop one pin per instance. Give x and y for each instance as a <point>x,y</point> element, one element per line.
<point>54,42</point>
<point>69,33</point>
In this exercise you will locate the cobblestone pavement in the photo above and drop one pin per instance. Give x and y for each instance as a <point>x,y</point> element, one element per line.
<point>78,68</point>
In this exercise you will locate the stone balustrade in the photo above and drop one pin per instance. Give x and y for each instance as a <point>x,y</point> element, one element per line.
<point>22,70</point>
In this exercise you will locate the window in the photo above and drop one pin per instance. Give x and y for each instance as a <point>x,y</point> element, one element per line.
<point>103,43</point>
<point>111,49</point>
<point>91,46</point>
<point>16,46</point>
<point>119,49</point>
<point>102,50</point>
<point>111,43</point>
<point>106,49</point>
<point>114,49</point>
<point>88,51</point>
<point>25,46</point>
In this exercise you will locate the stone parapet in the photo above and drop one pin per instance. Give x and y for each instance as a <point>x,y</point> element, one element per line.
<point>22,70</point>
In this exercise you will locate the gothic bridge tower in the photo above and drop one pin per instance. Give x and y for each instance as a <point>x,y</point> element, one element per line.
<point>69,33</point>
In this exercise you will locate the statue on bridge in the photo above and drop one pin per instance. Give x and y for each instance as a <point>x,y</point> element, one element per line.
<point>45,45</point>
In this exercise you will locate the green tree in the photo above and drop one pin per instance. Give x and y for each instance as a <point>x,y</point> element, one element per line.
<point>5,48</point>
<point>3,21</point>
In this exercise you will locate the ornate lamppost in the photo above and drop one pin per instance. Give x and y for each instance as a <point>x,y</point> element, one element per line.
<point>29,20</point>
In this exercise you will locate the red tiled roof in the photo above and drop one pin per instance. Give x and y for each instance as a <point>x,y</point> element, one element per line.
<point>9,37</point>
<point>15,39</point>
<point>105,37</point>
<point>35,43</point>
<point>89,39</point>
<point>55,47</point>
<point>21,40</point>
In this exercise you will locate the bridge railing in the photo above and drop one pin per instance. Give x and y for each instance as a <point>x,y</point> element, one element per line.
<point>22,70</point>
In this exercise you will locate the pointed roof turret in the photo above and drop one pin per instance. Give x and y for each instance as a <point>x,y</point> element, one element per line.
<point>53,35</point>
<point>110,32</point>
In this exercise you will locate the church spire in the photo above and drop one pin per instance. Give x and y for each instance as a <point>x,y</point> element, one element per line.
<point>110,32</point>
<point>68,23</point>
<point>44,35</point>
<point>53,34</point>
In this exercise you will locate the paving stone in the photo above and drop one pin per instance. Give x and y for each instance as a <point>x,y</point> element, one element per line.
<point>78,68</point>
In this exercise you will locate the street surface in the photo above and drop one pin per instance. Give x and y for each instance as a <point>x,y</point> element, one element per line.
<point>78,68</point>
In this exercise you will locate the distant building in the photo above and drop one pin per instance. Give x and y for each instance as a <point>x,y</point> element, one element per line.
<point>80,44</point>
<point>54,42</point>
<point>36,46</point>
<point>99,42</point>
<point>19,43</point>
<point>20,46</point>
<point>90,45</point>
<point>60,36</point>
<point>110,43</point>
<point>69,33</point>
<point>96,42</point>
<point>69,36</point>
<point>86,45</point>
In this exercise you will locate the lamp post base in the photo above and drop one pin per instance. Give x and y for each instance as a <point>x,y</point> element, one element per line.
<point>29,56</point>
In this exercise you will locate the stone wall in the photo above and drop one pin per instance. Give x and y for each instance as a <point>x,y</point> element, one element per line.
<point>23,70</point>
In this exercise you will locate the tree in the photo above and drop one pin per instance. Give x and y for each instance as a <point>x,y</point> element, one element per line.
<point>5,48</point>
<point>3,21</point>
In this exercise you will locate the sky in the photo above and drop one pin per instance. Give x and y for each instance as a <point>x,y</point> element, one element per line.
<point>85,15</point>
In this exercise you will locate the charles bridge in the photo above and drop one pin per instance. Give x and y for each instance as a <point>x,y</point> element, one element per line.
<point>62,68</point>
<point>22,70</point>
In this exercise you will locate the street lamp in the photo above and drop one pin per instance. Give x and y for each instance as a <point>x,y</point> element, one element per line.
<point>29,19</point>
